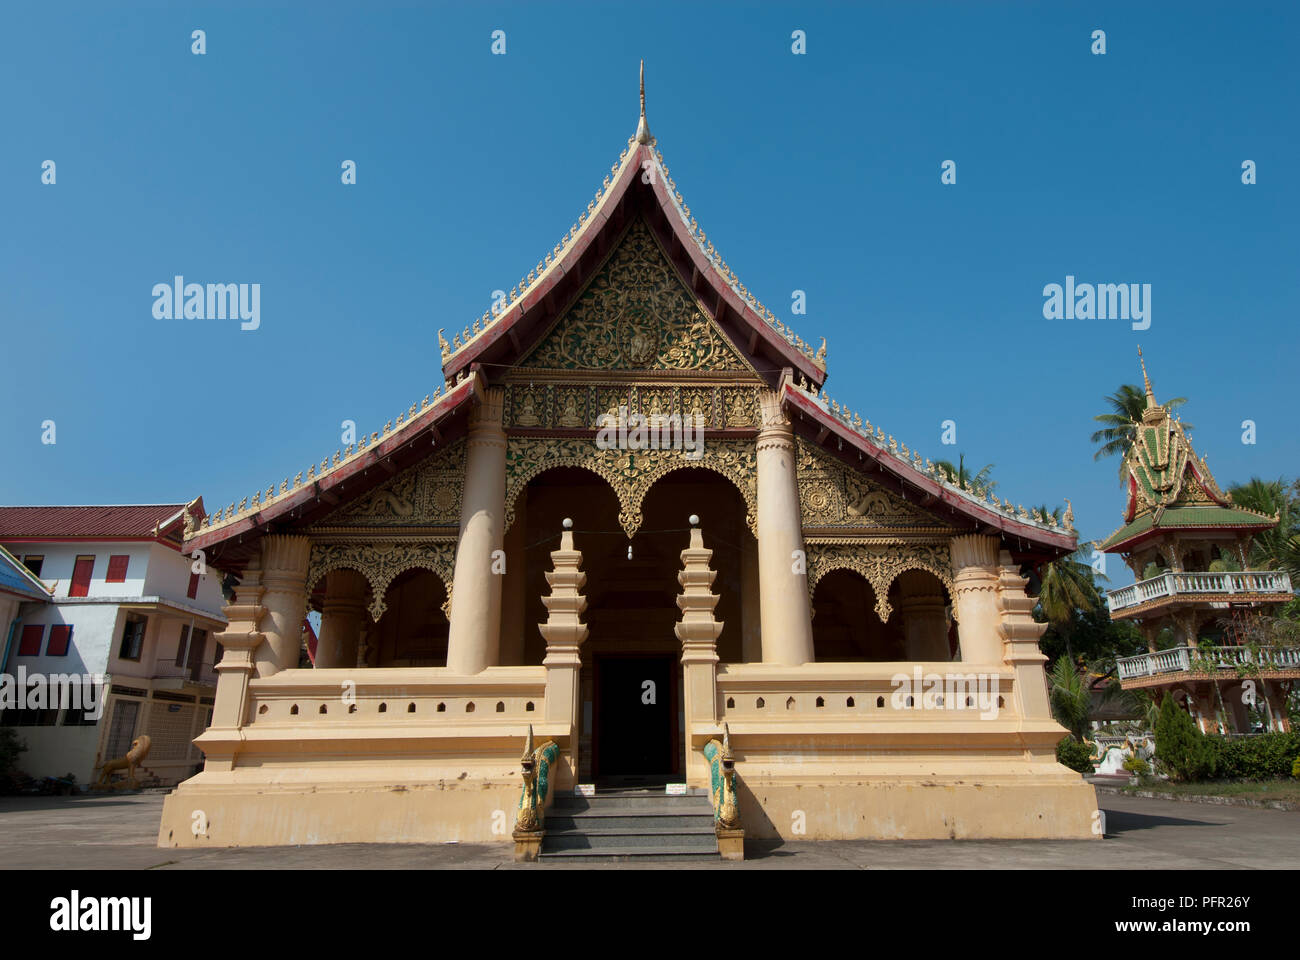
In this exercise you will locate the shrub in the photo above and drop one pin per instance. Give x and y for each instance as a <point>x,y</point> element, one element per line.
<point>1136,765</point>
<point>1075,755</point>
<point>1265,757</point>
<point>10,748</point>
<point>1183,751</point>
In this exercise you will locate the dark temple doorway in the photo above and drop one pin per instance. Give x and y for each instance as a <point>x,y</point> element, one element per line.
<point>636,719</point>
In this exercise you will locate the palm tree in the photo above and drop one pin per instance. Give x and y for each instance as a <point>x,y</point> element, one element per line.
<point>964,478</point>
<point>1120,425</point>
<point>1279,548</point>
<point>1071,694</point>
<point>1071,697</point>
<point>1066,586</point>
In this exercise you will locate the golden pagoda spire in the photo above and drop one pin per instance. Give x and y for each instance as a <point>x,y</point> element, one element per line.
<point>1146,382</point>
<point>643,128</point>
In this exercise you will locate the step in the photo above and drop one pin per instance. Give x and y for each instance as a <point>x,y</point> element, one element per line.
<point>623,821</point>
<point>641,854</point>
<point>703,840</point>
<point>632,802</point>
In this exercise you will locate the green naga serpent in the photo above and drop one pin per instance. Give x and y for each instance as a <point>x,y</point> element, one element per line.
<point>536,768</point>
<point>722,790</point>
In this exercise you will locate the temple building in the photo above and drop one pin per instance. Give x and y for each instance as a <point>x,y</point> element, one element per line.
<point>1188,546</point>
<point>630,523</point>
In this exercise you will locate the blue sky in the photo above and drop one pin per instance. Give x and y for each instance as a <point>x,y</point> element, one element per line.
<point>818,172</point>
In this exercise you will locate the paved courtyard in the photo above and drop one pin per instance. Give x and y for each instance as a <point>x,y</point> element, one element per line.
<point>120,832</point>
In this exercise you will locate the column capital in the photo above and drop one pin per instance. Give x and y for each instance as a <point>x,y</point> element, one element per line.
<point>775,429</point>
<point>975,550</point>
<point>486,416</point>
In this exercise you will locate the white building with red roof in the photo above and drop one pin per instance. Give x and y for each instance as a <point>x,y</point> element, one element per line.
<point>105,592</point>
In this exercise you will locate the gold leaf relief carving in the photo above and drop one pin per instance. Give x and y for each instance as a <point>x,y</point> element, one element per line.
<point>636,314</point>
<point>426,494</point>
<point>880,565</point>
<point>630,473</point>
<point>381,564</point>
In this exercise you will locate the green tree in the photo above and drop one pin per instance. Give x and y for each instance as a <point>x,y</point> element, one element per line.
<point>1067,586</point>
<point>1184,752</point>
<point>1279,548</point>
<point>1071,698</point>
<point>1120,424</point>
<point>964,478</point>
<point>11,747</point>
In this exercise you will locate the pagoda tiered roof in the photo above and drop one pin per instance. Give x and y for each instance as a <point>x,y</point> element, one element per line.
<point>1169,487</point>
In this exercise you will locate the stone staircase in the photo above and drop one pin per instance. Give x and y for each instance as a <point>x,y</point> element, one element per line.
<point>639,825</point>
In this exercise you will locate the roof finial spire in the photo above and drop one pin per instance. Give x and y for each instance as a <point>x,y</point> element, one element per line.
<point>1146,382</point>
<point>643,127</point>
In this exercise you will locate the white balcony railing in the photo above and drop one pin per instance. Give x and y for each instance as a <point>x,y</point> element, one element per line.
<point>1226,584</point>
<point>1181,659</point>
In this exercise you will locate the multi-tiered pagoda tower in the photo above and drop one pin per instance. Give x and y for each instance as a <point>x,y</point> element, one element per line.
<point>1189,545</point>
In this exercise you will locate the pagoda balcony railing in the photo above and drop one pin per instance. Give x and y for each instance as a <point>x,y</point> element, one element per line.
<point>1226,584</point>
<point>1185,659</point>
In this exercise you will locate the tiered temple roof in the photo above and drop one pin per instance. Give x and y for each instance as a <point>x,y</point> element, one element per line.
<point>1169,487</point>
<point>639,186</point>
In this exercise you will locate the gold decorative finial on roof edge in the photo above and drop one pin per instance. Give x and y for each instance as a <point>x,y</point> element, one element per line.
<point>1146,383</point>
<point>643,127</point>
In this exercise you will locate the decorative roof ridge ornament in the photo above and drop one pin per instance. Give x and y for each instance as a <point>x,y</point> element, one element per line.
<point>643,134</point>
<point>1153,412</point>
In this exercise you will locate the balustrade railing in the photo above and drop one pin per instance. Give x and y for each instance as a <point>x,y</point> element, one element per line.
<point>1180,659</point>
<point>1227,584</point>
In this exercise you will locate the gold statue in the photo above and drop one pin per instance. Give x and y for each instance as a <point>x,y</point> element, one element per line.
<point>134,758</point>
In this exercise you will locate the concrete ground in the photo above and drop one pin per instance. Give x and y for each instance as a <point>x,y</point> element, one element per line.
<point>121,832</point>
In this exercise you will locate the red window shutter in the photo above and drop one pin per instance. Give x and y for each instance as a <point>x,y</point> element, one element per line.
<point>117,568</point>
<point>30,645</point>
<point>193,590</point>
<point>60,638</point>
<point>80,586</point>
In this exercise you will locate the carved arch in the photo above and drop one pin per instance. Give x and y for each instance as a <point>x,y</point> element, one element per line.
<point>381,563</point>
<point>880,565</point>
<point>630,473</point>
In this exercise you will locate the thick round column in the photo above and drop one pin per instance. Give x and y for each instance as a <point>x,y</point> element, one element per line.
<point>785,612</point>
<point>923,608</point>
<point>975,597</point>
<point>474,638</point>
<point>342,615</point>
<point>284,577</point>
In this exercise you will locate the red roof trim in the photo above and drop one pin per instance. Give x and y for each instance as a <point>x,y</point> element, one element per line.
<point>802,403</point>
<point>419,425</point>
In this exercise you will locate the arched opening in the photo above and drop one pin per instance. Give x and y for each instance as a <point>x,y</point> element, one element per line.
<point>923,608</point>
<point>342,596</point>
<point>845,624</point>
<point>413,629</point>
<point>631,675</point>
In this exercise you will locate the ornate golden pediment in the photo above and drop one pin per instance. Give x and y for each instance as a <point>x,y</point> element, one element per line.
<point>425,495</point>
<point>636,314</point>
<point>834,495</point>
